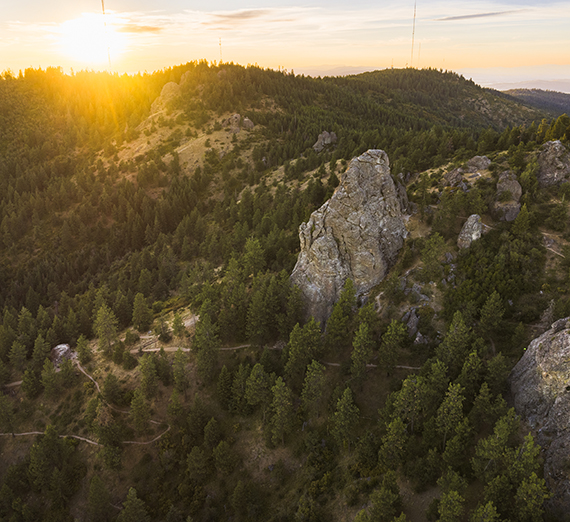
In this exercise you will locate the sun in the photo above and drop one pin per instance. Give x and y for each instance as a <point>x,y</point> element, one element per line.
<point>91,39</point>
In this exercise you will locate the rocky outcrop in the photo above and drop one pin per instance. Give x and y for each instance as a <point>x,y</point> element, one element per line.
<point>478,163</point>
<point>170,91</point>
<point>357,234</point>
<point>553,164</point>
<point>454,177</point>
<point>540,384</point>
<point>470,232</point>
<point>509,192</point>
<point>235,123</point>
<point>324,140</point>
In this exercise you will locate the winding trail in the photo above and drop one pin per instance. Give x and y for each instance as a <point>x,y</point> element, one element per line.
<point>84,439</point>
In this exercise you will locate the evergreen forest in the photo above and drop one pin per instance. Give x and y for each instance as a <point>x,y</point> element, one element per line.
<point>150,222</point>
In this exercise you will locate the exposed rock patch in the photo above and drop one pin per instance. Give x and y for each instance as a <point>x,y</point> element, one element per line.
<point>454,177</point>
<point>478,163</point>
<point>357,234</point>
<point>509,192</point>
<point>324,140</point>
<point>540,384</point>
<point>471,231</point>
<point>235,122</point>
<point>553,164</point>
<point>170,91</point>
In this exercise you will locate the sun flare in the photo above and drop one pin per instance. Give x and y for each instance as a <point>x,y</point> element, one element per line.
<point>91,39</point>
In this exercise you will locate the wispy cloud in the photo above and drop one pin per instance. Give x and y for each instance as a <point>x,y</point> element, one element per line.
<point>138,29</point>
<point>478,15</point>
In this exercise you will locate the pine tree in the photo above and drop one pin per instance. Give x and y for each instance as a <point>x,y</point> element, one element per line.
<point>393,445</point>
<point>408,403</point>
<point>105,328</point>
<point>41,352</point>
<point>392,342</point>
<point>454,348</point>
<point>312,393</point>
<point>83,350</point>
<point>178,327</point>
<point>49,379</point>
<point>142,314</point>
<point>149,378</point>
<point>98,500</point>
<point>258,388</point>
<point>345,418</point>
<point>206,344</point>
<point>492,314</point>
<point>363,344</point>
<point>450,413</point>
<point>451,507</point>
<point>134,509</point>
<point>140,411</point>
<point>282,408</point>
<point>18,356</point>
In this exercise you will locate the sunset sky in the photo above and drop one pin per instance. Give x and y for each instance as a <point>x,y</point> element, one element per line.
<point>492,39</point>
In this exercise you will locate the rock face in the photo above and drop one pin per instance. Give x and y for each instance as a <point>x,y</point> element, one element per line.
<point>169,92</point>
<point>553,164</point>
<point>540,384</point>
<point>356,234</point>
<point>470,232</point>
<point>324,140</point>
<point>509,192</point>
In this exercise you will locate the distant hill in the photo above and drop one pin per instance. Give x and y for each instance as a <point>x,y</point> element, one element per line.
<point>554,102</point>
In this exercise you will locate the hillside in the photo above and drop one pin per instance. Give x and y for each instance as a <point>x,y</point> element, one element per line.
<point>151,223</point>
<point>555,103</point>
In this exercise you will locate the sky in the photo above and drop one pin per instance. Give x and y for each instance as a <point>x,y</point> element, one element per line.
<point>492,41</point>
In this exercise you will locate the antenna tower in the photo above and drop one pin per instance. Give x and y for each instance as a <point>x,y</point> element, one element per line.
<point>106,36</point>
<point>413,35</point>
<point>220,50</point>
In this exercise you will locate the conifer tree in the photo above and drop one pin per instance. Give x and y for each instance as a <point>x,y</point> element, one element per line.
<point>282,408</point>
<point>312,393</point>
<point>392,343</point>
<point>140,411</point>
<point>361,352</point>
<point>98,500</point>
<point>344,419</point>
<point>105,328</point>
<point>49,379</point>
<point>450,413</point>
<point>142,314</point>
<point>134,509</point>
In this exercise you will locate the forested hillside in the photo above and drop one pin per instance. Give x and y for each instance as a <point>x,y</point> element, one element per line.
<point>155,233</point>
<point>555,103</point>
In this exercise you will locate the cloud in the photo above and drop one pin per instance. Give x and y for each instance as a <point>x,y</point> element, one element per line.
<point>137,29</point>
<point>478,15</point>
<point>239,16</point>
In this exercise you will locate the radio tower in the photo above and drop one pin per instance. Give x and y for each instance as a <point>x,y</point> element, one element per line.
<point>413,35</point>
<point>220,51</point>
<point>106,36</point>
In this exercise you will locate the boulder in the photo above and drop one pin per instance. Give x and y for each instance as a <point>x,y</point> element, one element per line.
<point>324,140</point>
<point>509,192</point>
<point>478,163</point>
<point>470,232</point>
<point>553,164</point>
<point>233,122</point>
<point>247,124</point>
<point>540,385</point>
<point>453,177</point>
<point>356,234</point>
